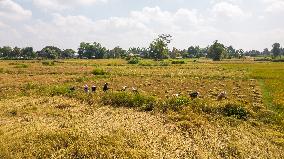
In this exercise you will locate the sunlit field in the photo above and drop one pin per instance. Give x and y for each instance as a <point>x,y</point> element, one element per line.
<point>41,117</point>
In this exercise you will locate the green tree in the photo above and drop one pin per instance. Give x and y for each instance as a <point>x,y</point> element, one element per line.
<point>175,53</point>
<point>204,52</point>
<point>117,52</point>
<point>231,52</point>
<point>6,51</point>
<point>95,50</point>
<point>159,47</point>
<point>216,51</point>
<point>266,52</point>
<point>276,50</point>
<point>16,53</point>
<point>68,53</point>
<point>240,53</point>
<point>50,52</point>
<point>28,53</point>
<point>193,51</point>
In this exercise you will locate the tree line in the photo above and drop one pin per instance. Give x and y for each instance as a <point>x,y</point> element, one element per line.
<point>158,49</point>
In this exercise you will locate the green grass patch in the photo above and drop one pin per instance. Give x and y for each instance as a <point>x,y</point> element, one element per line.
<point>99,71</point>
<point>48,63</point>
<point>175,104</point>
<point>19,65</point>
<point>235,110</point>
<point>175,62</point>
<point>124,99</point>
<point>133,60</point>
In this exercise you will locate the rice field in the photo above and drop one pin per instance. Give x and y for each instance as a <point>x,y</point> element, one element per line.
<point>40,117</point>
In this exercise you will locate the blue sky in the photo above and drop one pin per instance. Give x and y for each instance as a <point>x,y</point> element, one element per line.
<point>253,24</point>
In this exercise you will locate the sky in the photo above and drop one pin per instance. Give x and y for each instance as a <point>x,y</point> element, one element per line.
<point>244,24</point>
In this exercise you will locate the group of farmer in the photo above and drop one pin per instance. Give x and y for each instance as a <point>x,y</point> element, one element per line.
<point>94,88</point>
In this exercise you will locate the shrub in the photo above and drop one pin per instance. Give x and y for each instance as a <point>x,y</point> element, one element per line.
<point>99,71</point>
<point>58,90</point>
<point>175,104</point>
<point>235,110</point>
<point>145,63</point>
<point>133,60</point>
<point>81,79</point>
<point>278,60</point>
<point>178,62</point>
<point>48,63</point>
<point>263,59</point>
<point>164,63</point>
<point>18,65</point>
<point>123,99</point>
<point>29,86</point>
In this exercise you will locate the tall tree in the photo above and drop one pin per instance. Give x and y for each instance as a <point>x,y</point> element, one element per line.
<point>175,53</point>
<point>159,47</point>
<point>266,51</point>
<point>193,51</point>
<point>231,52</point>
<point>6,51</point>
<point>117,52</point>
<point>16,53</point>
<point>68,53</point>
<point>276,50</point>
<point>50,52</point>
<point>95,50</point>
<point>240,53</point>
<point>28,53</point>
<point>216,51</point>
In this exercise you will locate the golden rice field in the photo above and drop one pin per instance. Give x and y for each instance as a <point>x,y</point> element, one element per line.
<point>40,117</point>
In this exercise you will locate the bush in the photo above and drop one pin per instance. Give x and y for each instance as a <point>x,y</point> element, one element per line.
<point>48,63</point>
<point>235,110</point>
<point>133,60</point>
<point>164,63</point>
<point>18,65</point>
<point>278,60</point>
<point>21,66</point>
<point>58,90</point>
<point>99,71</point>
<point>123,99</point>
<point>175,104</point>
<point>263,59</point>
<point>145,63</point>
<point>178,62</point>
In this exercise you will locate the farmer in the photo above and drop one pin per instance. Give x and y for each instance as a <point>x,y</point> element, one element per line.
<point>94,88</point>
<point>105,88</point>
<point>86,88</point>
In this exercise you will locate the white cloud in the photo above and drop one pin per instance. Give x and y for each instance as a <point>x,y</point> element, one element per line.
<point>274,6</point>
<point>137,29</point>
<point>10,10</point>
<point>224,21</point>
<point>228,10</point>
<point>2,25</point>
<point>59,5</point>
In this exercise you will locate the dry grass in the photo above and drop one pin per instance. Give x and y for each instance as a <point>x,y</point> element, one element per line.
<point>40,128</point>
<point>40,118</point>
